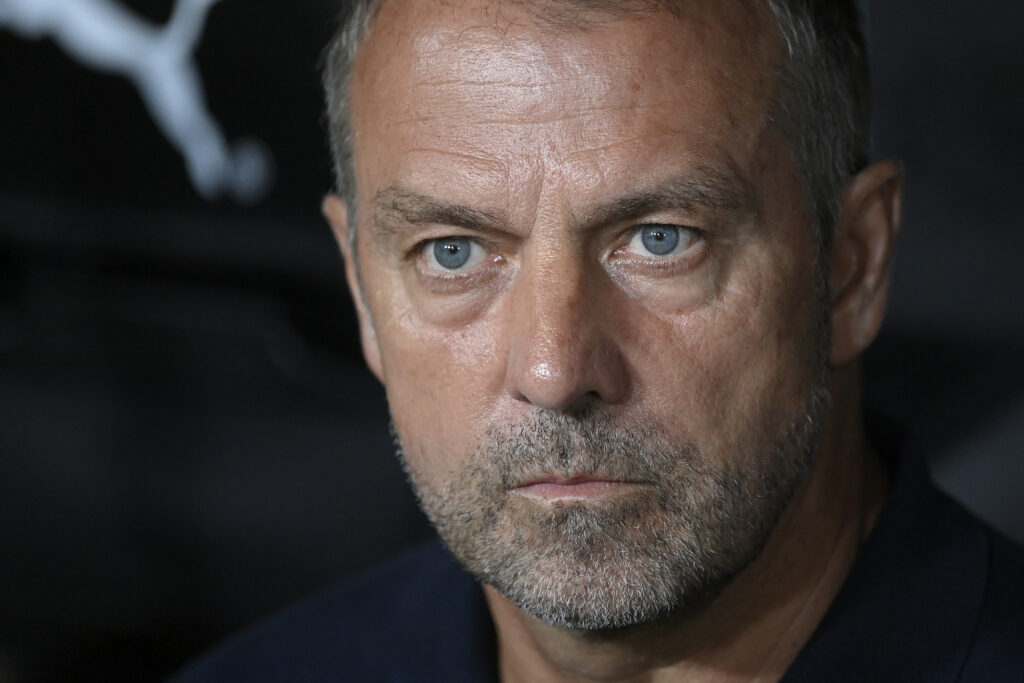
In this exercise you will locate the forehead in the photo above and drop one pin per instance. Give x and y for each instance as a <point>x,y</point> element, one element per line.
<point>500,90</point>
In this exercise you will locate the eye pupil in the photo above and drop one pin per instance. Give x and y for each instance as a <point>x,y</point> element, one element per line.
<point>660,239</point>
<point>452,252</point>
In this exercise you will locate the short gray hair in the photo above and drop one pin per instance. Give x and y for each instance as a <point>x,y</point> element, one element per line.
<point>824,104</point>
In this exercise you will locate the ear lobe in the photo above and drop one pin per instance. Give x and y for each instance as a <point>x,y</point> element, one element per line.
<point>862,258</point>
<point>336,213</point>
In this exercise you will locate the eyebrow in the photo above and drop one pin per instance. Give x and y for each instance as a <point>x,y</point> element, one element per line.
<point>395,205</point>
<point>705,189</point>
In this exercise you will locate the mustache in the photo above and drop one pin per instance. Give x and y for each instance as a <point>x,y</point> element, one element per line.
<point>591,444</point>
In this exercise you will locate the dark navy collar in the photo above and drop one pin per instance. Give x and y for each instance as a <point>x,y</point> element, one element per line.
<point>909,608</point>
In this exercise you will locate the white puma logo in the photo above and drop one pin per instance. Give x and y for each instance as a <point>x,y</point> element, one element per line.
<point>158,60</point>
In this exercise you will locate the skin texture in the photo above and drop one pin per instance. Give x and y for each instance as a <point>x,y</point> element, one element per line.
<point>533,142</point>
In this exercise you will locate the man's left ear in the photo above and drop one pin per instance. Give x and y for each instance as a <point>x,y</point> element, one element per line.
<point>862,256</point>
<point>336,212</point>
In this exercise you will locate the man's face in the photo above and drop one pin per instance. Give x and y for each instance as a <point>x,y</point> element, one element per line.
<point>592,295</point>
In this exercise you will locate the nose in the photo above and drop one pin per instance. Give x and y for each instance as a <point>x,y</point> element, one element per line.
<point>562,348</point>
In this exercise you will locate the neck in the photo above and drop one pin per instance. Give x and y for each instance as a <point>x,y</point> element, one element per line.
<point>759,623</point>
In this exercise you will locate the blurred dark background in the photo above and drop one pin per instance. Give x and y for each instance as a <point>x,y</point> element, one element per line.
<point>188,438</point>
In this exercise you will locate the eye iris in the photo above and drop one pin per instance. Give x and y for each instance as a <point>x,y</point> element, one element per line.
<point>452,253</point>
<point>660,239</point>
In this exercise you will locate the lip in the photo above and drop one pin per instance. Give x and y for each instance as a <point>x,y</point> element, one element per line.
<point>553,489</point>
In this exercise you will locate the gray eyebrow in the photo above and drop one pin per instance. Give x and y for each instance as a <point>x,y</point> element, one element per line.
<point>703,190</point>
<point>395,205</point>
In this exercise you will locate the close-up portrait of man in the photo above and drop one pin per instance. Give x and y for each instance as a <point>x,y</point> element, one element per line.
<point>615,264</point>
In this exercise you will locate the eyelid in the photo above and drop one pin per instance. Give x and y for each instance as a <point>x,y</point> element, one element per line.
<point>418,239</point>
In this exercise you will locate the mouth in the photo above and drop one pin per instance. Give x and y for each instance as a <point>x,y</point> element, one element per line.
<point>562,489</point>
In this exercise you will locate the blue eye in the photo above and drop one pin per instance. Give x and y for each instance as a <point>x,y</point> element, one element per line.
<point>453,253</point>
<point>660,240</point>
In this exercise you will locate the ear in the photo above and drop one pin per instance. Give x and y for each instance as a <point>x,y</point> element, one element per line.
<point>336,213</point>
<point>862,257</point>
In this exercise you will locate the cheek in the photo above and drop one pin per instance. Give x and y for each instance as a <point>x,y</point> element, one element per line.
<point>438,383</point>
<point>730,373</point>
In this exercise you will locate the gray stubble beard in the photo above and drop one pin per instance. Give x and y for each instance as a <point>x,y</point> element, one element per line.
<point>636,557</point>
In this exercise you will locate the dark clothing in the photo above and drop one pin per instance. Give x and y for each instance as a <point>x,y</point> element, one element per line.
<point>934,595</point>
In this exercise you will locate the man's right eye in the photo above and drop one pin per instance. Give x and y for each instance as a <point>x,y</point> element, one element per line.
<point>450,254</point>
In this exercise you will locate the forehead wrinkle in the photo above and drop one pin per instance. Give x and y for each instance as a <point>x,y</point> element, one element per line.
<point>480,163</point>
<point>532,70</point>
<point>583,149</point>
<point>520,121</point>
<point>462,82</point>
<point>537,67</point>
